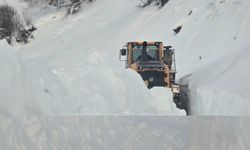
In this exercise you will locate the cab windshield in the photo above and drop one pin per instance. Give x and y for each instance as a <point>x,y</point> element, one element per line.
<point>152,52</point>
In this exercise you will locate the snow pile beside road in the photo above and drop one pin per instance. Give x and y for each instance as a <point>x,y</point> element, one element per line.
<point>225,90</point>
<point>164,101</point>
<point>26,88</point>
<point>14,94</point>
<point>34,132</point>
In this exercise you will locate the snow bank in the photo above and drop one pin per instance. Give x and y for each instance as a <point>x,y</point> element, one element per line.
<point>164,101</point>
<point>27,88</point>
<point>112,133</point>
<point>225,89</point>
<point>14,94</point>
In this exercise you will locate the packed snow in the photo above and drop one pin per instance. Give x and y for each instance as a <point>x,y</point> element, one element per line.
<point>112,133</point>
<point>71,68</point>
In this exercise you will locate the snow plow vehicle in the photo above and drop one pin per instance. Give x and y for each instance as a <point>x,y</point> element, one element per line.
<point>156,65</point>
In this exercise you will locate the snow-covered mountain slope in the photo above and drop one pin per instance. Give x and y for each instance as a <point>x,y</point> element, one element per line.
<point>211,45</point>
<point>220,79</point>
<point>71,68</point>
<point>74,59</point>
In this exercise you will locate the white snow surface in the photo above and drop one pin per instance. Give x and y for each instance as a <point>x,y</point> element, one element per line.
<point>75,90</point>
<point>71,69</point>
<point>73,62</point>
<point>160,95</point>
<point>114,133</point>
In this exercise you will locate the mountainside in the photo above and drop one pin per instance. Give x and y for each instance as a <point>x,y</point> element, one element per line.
<point>74,52</point>
<point>71,69</point>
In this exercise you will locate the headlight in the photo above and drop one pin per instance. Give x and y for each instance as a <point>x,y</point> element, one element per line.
<point>151,79</point>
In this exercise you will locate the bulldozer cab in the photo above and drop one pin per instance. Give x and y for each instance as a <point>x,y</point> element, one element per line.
<point>139,52</point>
<point>151,53</point>
<point>143,52</point>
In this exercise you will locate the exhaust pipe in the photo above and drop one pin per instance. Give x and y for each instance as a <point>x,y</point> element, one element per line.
<point>144,52</point>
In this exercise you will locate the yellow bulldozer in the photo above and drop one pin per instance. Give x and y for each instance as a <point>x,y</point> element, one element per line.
<point>156,65</point>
